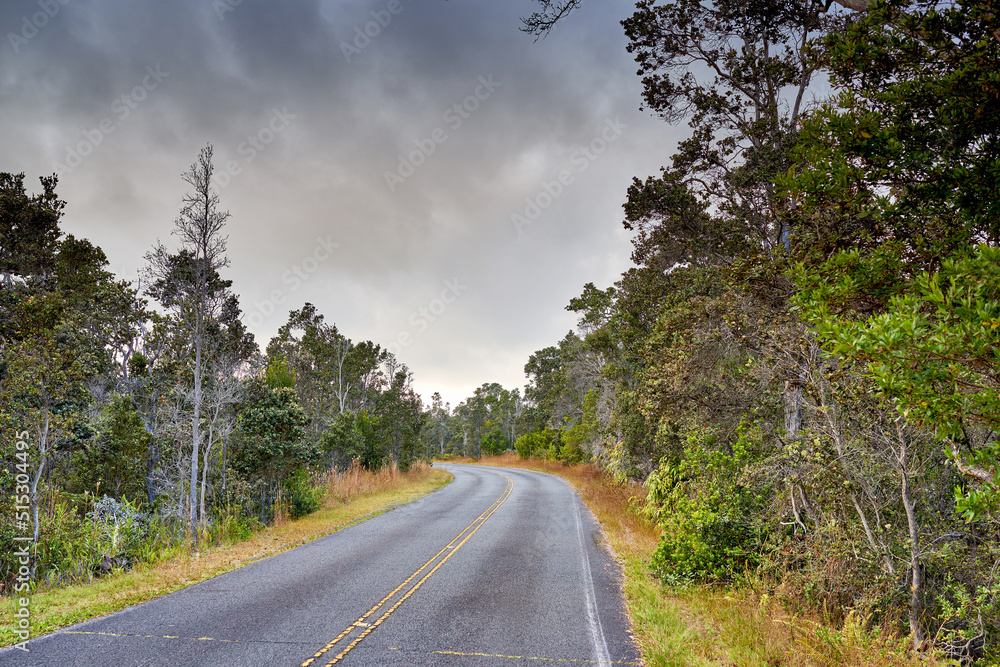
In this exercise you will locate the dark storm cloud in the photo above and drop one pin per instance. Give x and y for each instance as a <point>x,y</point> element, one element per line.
<point>369,151</point>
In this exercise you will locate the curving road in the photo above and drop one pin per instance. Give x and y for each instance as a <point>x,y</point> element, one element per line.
<point>501,567</point>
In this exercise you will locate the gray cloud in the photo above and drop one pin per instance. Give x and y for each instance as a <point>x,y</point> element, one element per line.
<point>320,173</point>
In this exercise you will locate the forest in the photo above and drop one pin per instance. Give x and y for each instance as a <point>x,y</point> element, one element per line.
<point>802,366</point>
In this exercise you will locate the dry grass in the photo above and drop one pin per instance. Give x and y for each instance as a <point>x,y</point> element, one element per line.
<point>701,626</point>
<point>358,482</point>
<point>351,498</point>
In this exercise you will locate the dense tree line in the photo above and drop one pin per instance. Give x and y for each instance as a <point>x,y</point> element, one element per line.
<point>484,424</point>
<point>802,366</point>
<point>149,415</point>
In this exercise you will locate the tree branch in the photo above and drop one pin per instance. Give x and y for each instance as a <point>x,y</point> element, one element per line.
<point>855,5</point>
<point>984,476</point>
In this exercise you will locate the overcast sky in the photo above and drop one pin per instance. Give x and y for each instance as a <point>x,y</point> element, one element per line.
<point>427,175</point>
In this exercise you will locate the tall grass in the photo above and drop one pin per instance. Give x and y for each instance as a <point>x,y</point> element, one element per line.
<point>356,481</point>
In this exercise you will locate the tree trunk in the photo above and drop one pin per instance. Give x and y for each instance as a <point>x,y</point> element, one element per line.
<point>911,520</point>
<point>793,407</point>
<point>204,474</point>
<point>43,445</point>
<point>225,448</point>
<point>195,429</point>
<point>151,461</point>
<point>830,412</point>
<point>871,536</point>
<point>153,455</point>
<point>975,473</point>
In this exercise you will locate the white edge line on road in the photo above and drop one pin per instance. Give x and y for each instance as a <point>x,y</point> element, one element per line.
<point>601,654</point>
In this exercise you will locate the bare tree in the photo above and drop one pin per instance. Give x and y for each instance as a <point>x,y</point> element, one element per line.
<point>341,348</point>
<point>188,284</point>
<point>167,479</point>
<point>225,391</point>
<point>541,23</point>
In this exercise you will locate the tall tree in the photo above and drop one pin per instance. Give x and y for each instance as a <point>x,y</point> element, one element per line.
<point>188,284</point>
<point>56,342</point>
<point>739,73</point>
<point>271,428</point>
<point>898,181</point>
<point>399,415</point>
<point>29,228</point>
<point>44,388</point>
<point>895,194</point>
<point>333,373</point>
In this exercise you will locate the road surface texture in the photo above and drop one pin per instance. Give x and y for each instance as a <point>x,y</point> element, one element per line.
<point>501,567</point>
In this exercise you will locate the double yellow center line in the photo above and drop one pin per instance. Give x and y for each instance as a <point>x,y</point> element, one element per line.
<point>362,628</point>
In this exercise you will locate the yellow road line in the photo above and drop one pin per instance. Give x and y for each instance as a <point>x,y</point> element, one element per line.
<point>360,621</point>
<point>480,520</point>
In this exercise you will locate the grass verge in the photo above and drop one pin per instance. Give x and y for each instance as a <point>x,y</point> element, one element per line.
<point>701,626</point>
<point>349,499</point>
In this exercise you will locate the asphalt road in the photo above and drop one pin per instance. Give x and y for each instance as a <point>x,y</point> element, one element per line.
<point>501,567</point>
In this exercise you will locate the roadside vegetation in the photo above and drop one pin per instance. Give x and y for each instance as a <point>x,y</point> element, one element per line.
<point>799,375</point>
<point>139,421</point>
<point>797,383</point>
<point>345,498</point>
<point>706,625</point>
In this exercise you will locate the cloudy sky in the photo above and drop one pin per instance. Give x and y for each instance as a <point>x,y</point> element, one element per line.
<point>427,175</point>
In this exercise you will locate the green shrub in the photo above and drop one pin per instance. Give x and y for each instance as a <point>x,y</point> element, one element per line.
<point>62,552</point>
<point>115,532</point>
<point>303,498</point>
<point>573,441</point>
<point>709,518</point>
<point>535,444</point>
<point>231,524</point>
<point>971,621</point>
